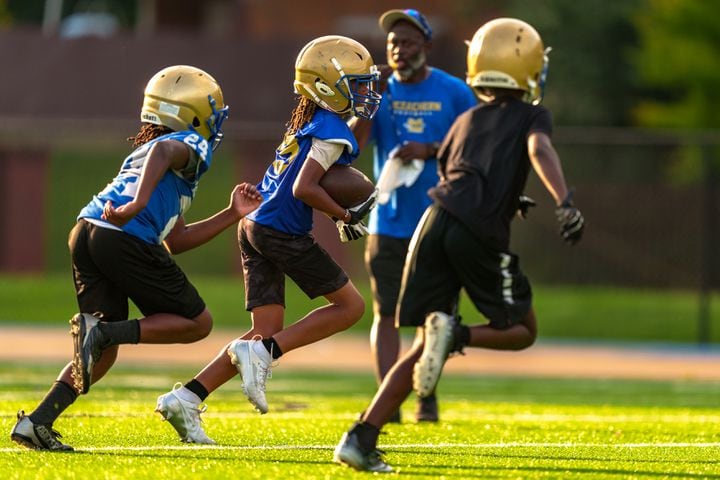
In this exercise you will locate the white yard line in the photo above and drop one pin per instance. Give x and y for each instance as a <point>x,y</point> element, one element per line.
<point>153,448</point>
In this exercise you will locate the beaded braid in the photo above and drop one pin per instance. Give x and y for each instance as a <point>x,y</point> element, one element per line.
<point>147,132</point>
<point>302,112</point>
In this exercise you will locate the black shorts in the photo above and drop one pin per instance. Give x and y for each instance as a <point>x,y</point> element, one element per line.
<point>384,261</point>
<point>110,267</point>
<point>268,255</point>
<point>446,257</point>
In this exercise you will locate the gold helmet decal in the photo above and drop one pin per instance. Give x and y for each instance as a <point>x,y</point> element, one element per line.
<point>508,53</point>
<point>333,72</point>
<point>182,97</point>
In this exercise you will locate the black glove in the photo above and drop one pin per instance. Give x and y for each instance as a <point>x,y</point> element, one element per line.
<point>359,212</point>
<point>526,203</point>
<point>572,223</point>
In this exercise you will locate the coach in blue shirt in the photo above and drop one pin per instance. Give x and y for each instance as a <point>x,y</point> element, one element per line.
<point>419,105</point>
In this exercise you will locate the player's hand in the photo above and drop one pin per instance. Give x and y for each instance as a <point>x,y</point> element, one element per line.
<point>524,206</point>
<point>349,232</point>
<point>244,199</point>
<point>359,212</point>
<point>121,215</point>
<point>572,223</point>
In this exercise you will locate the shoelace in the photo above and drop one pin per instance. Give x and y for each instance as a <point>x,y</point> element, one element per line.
<point>202,408</point>
<point>49,435</point>
<point>264,372</point>
<point>197,419</point>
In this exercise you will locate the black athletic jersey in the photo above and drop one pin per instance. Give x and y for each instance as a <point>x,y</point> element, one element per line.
<point>484,164</point>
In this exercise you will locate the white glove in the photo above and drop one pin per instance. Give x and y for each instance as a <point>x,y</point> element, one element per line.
<point>351,232</point>
<point>395,174</point>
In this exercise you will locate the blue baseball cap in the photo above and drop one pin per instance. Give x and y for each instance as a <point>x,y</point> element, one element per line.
<point>388,19</point>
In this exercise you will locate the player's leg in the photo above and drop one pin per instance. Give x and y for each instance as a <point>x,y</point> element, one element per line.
<point>358,446</point>
<point>428,285</point>
<point>518,336</point>
<point>94,294</point>
<point>264,298</point>
<point>183,404</point>
<point>317,274</point>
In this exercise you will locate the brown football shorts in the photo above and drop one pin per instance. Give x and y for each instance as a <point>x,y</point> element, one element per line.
<point>268,255</point>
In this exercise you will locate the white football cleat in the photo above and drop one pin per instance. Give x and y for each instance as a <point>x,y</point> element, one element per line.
<point>253,362</point>
<point>184,416</point>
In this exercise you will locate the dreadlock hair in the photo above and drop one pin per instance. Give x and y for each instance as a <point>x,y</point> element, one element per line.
<point>302,112</point>
<point>148,131</point>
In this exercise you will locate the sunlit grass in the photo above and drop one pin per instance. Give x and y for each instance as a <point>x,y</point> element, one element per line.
<point>491,427</point>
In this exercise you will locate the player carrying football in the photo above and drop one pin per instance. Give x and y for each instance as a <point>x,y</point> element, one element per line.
<point>334,76</point>
<point>121,243</point>
<point>463,239</point>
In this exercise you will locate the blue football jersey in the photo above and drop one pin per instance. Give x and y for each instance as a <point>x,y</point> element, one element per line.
<point>170,199</point>
<point>414,112</point>
<point>280,209</point>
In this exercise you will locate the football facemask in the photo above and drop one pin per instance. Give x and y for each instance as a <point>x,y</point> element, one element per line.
<point>361,90</point>
<point>214,123</point>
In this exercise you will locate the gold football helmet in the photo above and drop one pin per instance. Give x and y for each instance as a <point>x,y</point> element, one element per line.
<point>333,72</point>
<point>508,53</point>
<point>182,97</point>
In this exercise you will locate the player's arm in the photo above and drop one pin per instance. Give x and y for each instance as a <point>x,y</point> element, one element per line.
<point>546,163</point>
<point>307,184</point>
<point>244,199</point>
<point>163,156</point>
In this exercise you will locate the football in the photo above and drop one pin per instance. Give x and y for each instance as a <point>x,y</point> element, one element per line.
<point>346,185</point>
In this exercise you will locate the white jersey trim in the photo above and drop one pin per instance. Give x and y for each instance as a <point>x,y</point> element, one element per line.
<point>325,152</point>
<point>102,223</point>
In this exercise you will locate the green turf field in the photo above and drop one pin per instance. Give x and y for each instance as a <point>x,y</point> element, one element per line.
<point>491,428</point>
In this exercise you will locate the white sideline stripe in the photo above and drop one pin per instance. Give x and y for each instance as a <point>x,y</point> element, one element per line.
<point>395,447</point>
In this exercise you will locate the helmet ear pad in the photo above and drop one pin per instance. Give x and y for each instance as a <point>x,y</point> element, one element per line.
<point>323,88</point>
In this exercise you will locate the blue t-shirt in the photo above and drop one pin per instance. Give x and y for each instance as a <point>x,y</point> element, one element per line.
<point>280,209</point>
<point>170,199</point>
<point>414,112</point>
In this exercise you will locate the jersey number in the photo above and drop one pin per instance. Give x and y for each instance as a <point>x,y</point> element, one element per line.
<point>198,144</point>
